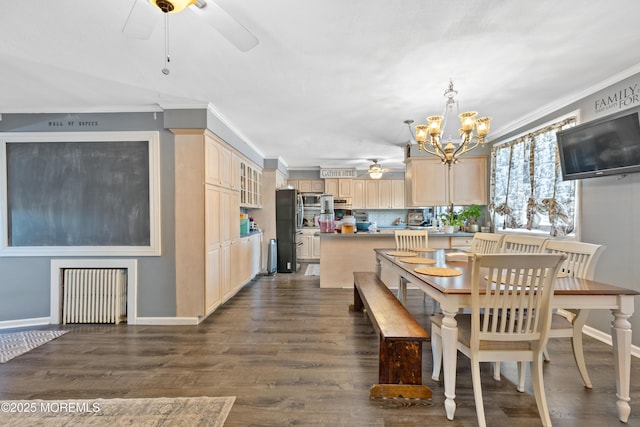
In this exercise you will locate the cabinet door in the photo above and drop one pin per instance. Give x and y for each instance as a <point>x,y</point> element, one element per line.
<point>293,183</point>
<point>345,187</point>
<point>225,167</point>
<point>371,195</point>
<point>385,195</point>
<point>212,292</point>
<point>428,182</point>
<point>317,186</point>
<point>212,153</point>
<point>469,181</point>
<point>331,186</point>
<point>304,249</point>
<point>235,171</point>
<point>397,194</point>
<point>358,200</point>
<point>225,268</point>
<point>304,185</point>
<point>315,252</point>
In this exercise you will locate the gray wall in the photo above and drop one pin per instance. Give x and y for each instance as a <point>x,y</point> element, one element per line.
<point>25,281</point>
<point>609,206</point>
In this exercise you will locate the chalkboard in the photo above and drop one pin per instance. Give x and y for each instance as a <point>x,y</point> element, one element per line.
<point>80,193</point>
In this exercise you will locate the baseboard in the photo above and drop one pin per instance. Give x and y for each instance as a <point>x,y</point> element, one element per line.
<point>606,338</point>
<point>167,321</point>
<point>22,323</point>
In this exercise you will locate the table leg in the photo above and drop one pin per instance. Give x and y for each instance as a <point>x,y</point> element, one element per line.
<point>621,336</point>
<point>402,290</point>
<point>449,330</point>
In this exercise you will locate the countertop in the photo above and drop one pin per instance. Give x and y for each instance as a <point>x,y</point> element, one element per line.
<point>251,233</point>
<point>364,234</point>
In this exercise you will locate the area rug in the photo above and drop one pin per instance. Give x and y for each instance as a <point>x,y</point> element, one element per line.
<point>17,343</point>
<point>174,412</point>
<point>312,270</point>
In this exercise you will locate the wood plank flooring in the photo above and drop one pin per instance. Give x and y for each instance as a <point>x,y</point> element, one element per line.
<point>292,354</point>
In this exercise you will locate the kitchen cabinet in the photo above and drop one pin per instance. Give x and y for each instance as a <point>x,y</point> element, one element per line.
<point>217,163</point>
<point>250,185</point>
<point>310,186</point>
<point>309,245</point>
<point>382,194</point>
<point>207,235</point>
<point>429,183</point>
<point>358,199</point>
<point>339,187</point>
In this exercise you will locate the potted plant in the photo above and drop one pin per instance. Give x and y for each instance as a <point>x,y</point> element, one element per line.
<point>451,221</point>
<point>471,214</point>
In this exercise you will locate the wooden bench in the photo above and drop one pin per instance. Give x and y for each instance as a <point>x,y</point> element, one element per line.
<point>400,335</point>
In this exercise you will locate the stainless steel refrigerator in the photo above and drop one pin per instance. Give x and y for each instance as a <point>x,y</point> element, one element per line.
<point>289,216</point>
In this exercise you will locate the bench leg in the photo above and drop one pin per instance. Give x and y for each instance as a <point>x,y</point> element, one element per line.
<point>400,371</point>
<point>357,301</point>
<point>400,362</point>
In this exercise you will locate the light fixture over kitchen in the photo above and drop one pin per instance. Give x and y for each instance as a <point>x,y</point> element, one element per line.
<point>175,6</point>
<point>375,170</point>
<point>472,131</point>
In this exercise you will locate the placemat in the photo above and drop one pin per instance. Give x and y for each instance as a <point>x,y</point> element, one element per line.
<point>423,249</point>
<point>438,271</point>
<point>418,260</point>
<point>401,253</point>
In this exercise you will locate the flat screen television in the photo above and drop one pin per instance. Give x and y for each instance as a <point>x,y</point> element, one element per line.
<point>607,146</point>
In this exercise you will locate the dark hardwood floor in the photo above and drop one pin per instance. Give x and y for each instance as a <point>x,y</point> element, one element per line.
<point>292,354</point>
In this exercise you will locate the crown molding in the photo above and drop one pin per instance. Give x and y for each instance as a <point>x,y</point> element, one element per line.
<point>564,102</point>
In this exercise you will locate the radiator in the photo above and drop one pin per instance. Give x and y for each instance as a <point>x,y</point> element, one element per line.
<point>94,295</point>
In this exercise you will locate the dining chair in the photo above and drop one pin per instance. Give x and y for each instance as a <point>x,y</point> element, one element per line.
<point>486,243</point>
<point>581,263</point>
<point>517,243</point>
<point>509,321</point>
<point>411,239</point>
<point>482,243</point>
<point>407,240</point>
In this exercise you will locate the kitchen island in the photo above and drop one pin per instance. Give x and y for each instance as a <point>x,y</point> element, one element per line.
<point>342,254</point>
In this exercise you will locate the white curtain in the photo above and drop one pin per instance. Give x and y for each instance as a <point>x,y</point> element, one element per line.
<point>527,191</point>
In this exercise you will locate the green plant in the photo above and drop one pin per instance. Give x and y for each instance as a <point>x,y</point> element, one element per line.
<point>471,213</point>
<point>451,218</point>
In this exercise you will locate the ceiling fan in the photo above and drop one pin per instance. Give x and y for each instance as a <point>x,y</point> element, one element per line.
<point>376,170</point>
<point>143,18</point>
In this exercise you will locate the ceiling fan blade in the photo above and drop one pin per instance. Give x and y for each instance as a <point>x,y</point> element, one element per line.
<point>227,26</point>
<point>141,21</point>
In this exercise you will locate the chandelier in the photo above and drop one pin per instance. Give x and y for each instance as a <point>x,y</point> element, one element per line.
<point>472,131</point>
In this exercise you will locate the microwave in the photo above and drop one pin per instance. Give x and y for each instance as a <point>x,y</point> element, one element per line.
<point>311,200</point>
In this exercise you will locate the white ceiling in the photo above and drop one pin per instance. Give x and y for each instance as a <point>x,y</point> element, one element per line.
<point>331,81</point>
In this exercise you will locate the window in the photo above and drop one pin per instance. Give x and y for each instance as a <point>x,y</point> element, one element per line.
<point>527,191</point>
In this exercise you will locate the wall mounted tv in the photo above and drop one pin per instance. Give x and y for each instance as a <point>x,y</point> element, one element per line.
<point>607,146</point>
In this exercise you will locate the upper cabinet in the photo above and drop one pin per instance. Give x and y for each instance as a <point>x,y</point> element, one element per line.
<point>428,182</point>
<point>307,185</point>
<point>250,185</point>
<point>339,187</point>
<point>225,168</point>
<point>378,194</point>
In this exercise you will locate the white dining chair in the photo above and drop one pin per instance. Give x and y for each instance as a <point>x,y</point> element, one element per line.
<point>581,262</point>
<point>411,239</point>
<point>517,243</point>
<point>407,240</point>
<point>510,318</point>
<point>486,243</point>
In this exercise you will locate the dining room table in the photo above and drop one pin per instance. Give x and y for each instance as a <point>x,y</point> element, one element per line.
<point>453,293</point>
